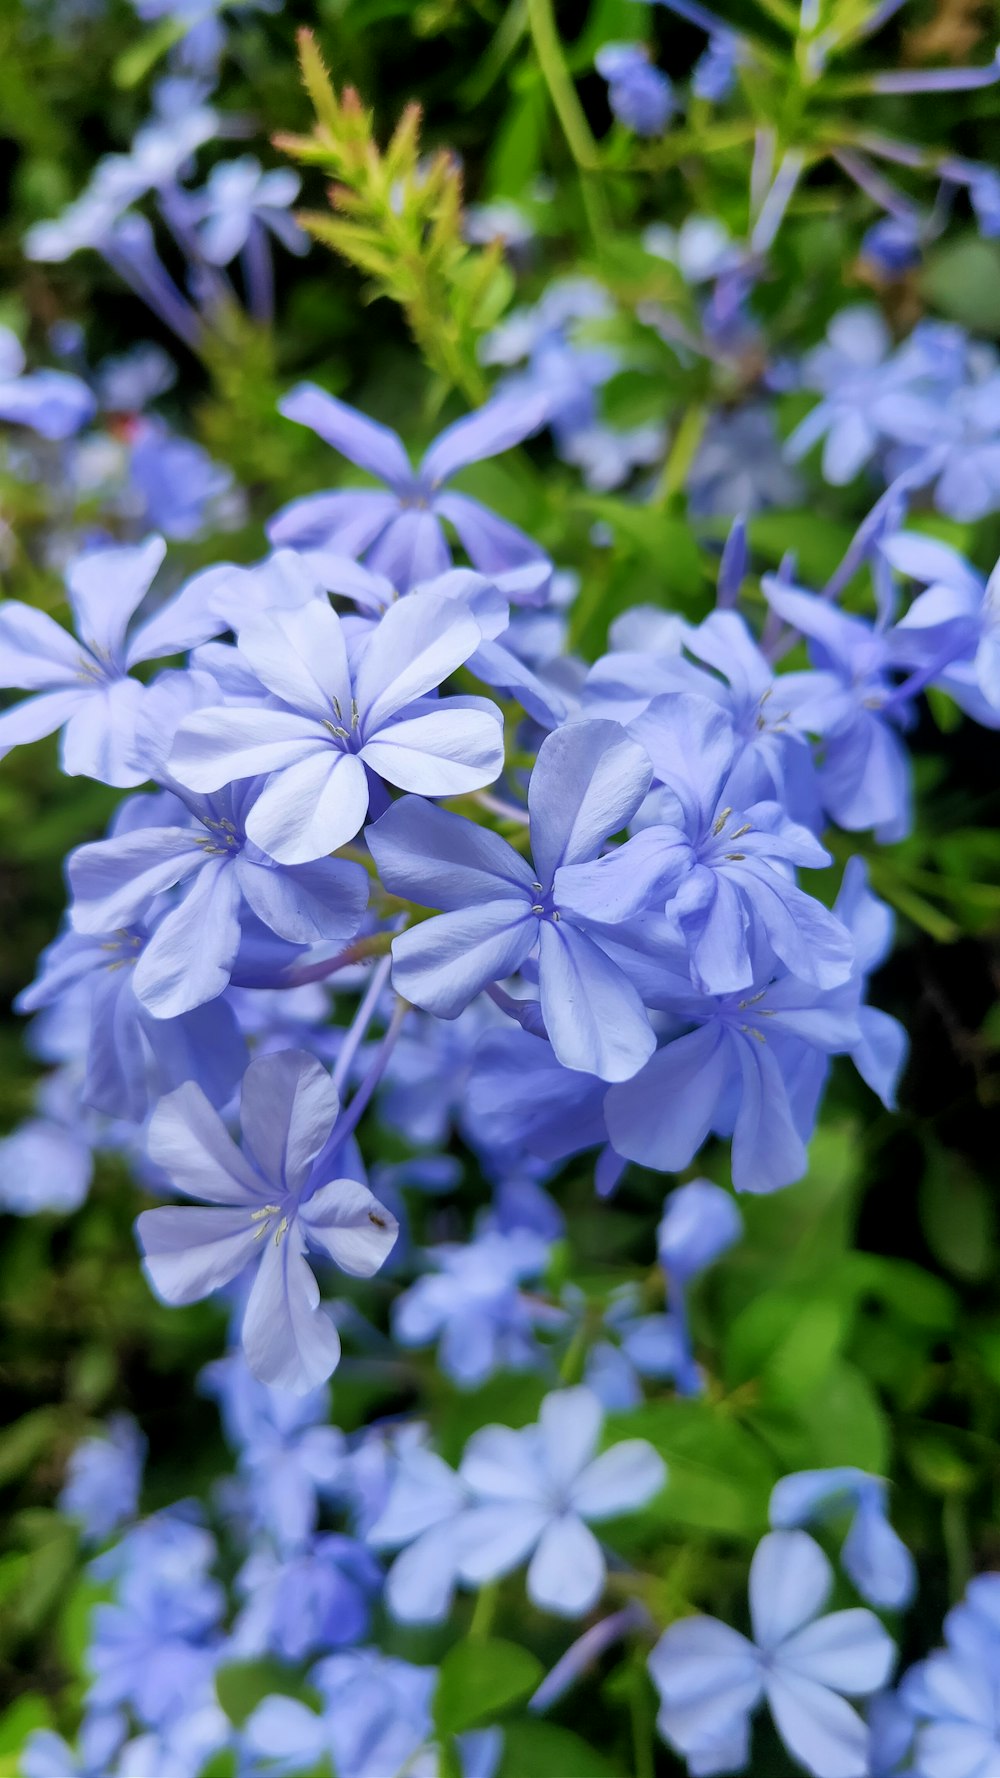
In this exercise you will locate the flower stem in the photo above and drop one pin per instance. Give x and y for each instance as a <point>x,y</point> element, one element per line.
<point>356,1031</point>
<point>570,113</point>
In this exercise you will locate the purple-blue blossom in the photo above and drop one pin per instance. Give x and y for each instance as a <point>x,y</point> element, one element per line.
<point>536,1492</point>
<point>202,876</point>
<point>587,783</point>
<point>103,1479</point>
<point>332,728</point>
<point>473,1305</point>
<point>872,1554</point>
<point>82,683</point>
<point>264,1205</point>
<point>711,1679</point>
<point>640,96</point>
<point>400,533</point>
<point>52,403</point>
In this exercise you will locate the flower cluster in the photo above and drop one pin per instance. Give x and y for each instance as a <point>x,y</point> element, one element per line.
<point>442,873</point>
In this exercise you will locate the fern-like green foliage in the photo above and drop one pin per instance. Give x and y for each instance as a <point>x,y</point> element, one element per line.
<point>397,217</point>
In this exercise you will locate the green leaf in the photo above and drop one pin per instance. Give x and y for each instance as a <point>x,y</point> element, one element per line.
<point>667,541</point>
<point>719,1478</point>
<point>959,1218</point>
<point>962,279</point>
<point>817,542</point>
<point>789,1339</point>
<point>840,1423</point>
<point>24,1442</point>
<point>478,1680</point>
<point>241,1685</point>
<point>140,58</point>
<point>543,1750</point>
<point>26,1714</point>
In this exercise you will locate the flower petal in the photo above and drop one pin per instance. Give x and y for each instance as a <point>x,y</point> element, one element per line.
<point>105,589</point>
<point>114,880</point>
<point>567,1571</point>
<point>190,1251</point>
<point>310,808</point>
<point>662,1115</point>
<point>595,1018</point>
<point>570,1422</point>
<point>350,1226</point>
<point>362,441</point>
<point>451,747</point>
<point>301,656</point>
<point>790,1582</point>
<point>307,903</point>
<point>441,860</point>
<point>189,1140</point>
<point>100,740</point>
<point>619,1481</point>
<point>219,746</point>
<point>416,645</point>
<point>496,1539</point>
<point>189,958</point>
<point>849,1651</point>
<point>35,651</point>
<point>288,1107</point>
<point>33,718</point>
<point>818,1728</point>
<point>444,963</point>
<point>588,781</point>
<point>492,429</point>
<point>288,1338</point>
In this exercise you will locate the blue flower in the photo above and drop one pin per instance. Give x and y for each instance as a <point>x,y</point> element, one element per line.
<point>400,533</point>
<point>132,1057</point>
<point>103,1479</point>
<point>376,1719</point>
<point>156,1645</point>
<point>714,75</point>
<point>178,484</point>
<point>699,1224</point>
<point>855,373</point>
<point>336,723</point>
<point>192,953</point>
<point>536,1493</point>
<point>640,96</point>
<point>711,1678</point>
<point>50,402</point>
<point>300,1605</point>
<point>422,1519</point>
<point>289,1458</point>
<point>874,1556</point>
<point>47,1162</point>
<point>951,631</point>
<point>46,1755</point>
<point>473,1305</point>
<point>272,1199</point>
<point>851,701</point>
<point>588,781</point>
<point>240,198</point>
<point>881,1052</point>
<point>952,1697</point>
<point>724,869</point>
<point>752,1067</point>
<point>85,685</point>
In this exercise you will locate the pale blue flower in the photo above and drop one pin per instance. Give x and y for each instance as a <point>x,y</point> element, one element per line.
<point>805,1665</point>
<point>536,1493</point>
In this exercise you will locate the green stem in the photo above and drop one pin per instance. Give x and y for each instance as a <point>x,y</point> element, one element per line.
<point>956,1543</point>
<point>682,453</point>
<point>484,1611</point>
<point>642,1738</point>
<point>570,113</point>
